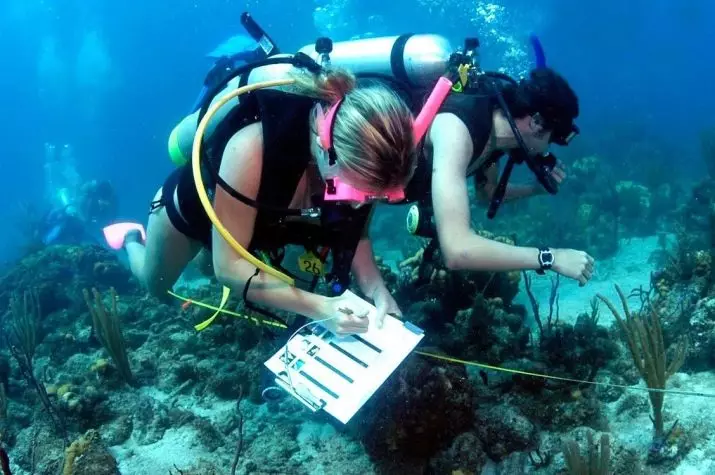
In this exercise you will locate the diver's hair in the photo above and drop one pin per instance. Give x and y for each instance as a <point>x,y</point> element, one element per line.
<point>328,86</point>
<point>372,133</point>
<point>545,92</point>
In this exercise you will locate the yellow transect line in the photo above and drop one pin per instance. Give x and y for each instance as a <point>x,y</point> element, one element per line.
<point>449,359</point>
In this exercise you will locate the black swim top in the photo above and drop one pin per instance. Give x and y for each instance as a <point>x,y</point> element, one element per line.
<point>475,111</point>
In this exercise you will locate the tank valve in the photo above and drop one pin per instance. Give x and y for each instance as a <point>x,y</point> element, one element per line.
<point>471,50</point>
<point>471,44</point>
<point>324,46</point>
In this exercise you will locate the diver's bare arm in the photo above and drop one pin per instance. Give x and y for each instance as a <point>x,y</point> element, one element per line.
<point>241,168</point>
<point>513,191</point>
<point>364,267</point>
<point>462,248</point>
<point>272,292</point>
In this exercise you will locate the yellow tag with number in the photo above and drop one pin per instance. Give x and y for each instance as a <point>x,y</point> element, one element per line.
<point>310,263</point>
<point>463,71</point>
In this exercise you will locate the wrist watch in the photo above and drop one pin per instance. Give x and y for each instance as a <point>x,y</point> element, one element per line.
<point>546,260</point>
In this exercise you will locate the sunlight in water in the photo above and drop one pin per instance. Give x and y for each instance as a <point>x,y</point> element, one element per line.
<point>93,67</point>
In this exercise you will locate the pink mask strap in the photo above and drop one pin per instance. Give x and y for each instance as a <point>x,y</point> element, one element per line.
<point>325,125</point>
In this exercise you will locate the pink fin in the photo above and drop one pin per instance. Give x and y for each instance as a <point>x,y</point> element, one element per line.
<point>115,233</point>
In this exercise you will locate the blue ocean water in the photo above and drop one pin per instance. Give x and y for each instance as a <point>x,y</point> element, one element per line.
<point>111,79</point>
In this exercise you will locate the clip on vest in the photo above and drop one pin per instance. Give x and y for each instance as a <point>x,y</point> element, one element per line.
<point>340,374</point>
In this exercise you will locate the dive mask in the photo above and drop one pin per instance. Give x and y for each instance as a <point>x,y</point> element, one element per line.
<point>563,135</point>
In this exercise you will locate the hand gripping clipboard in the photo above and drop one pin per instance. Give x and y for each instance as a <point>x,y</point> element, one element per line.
<point>339,374</point>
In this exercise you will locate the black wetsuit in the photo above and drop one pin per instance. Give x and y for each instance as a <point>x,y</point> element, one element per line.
<point>286,156</point>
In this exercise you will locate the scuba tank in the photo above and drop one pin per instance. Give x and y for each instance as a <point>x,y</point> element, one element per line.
<point>415,61</point>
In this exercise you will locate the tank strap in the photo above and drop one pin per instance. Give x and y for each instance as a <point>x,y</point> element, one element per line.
<point>298,60</point>
<point>397,62</point>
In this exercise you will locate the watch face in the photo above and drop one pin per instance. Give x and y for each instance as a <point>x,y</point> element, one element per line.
<point>547,257</point>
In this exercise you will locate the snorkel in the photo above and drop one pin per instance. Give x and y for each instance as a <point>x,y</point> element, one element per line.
<point>539,55</point>
<point>233,56</point>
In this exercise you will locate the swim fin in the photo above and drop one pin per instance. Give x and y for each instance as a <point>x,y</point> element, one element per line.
<point>52,235</point>
<point>114,234</point>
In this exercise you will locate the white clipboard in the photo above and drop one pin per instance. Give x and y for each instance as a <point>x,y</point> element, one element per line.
<point>339,374</point>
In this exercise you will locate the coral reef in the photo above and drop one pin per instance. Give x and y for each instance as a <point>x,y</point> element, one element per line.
<point>597,206</point>
<point>420,410</point>
<point>645,342</point>
<point>76,350</point>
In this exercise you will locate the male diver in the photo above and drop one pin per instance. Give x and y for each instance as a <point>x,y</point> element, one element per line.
<point>467,138</point>
<point>484,117</point>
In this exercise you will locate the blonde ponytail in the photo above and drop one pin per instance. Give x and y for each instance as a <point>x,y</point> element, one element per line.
<point>329,86</point>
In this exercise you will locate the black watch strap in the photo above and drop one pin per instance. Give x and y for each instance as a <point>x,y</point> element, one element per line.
<point>546,260</point>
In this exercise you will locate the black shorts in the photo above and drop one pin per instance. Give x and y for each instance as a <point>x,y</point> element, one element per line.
<point>189,218</point>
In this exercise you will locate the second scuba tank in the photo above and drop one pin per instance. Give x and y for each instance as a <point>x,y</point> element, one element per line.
<point>416,60</point>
